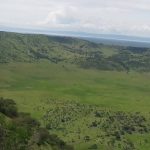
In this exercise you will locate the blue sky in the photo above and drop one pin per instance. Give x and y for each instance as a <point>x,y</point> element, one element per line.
<point>130,17</point>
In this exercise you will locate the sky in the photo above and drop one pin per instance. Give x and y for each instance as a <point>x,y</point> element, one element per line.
<point>127,17</point>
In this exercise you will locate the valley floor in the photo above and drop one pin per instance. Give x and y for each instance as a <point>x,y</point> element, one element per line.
<point>69,96</point>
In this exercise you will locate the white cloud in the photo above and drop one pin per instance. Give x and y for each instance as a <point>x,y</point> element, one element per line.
<point>60,16</point>
<point>99,16</point>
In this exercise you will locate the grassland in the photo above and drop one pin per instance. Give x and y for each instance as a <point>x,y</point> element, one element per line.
<point>31,85</point>
<point>104,88</point>
<point>92,96</point>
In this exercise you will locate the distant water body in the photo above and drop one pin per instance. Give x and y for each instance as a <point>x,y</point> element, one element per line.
<point>120,42</point>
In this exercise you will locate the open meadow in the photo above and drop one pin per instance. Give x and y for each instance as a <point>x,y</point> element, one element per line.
<point>74,103</point>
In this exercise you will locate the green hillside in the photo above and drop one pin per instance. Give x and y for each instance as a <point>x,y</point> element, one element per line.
<point>30,48</point>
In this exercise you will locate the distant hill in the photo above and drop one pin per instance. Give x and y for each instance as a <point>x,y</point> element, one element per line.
<point>108,39</point>
<point>16,47</point>
<point>122,41</point>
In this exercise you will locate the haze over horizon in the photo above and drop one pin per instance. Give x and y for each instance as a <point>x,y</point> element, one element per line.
<point>92,16</point>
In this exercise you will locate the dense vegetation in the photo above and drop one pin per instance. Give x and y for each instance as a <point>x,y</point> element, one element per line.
<point>96,125</point>
<point>31,48</point>
<point>19,131</point>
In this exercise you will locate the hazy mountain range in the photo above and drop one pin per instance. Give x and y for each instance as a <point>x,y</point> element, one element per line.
<point>110,39</point>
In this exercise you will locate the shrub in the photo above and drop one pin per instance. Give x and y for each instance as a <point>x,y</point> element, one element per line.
<point>41,136</point>
<point>8,107</point>
<point>94,146</point>
<point>24,119</point>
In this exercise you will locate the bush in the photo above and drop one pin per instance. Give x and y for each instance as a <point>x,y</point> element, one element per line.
<point>26,120</point>
<point>8,107</point>
<point>41,136</point>
<point>94,146</point>
<point>2,133</point>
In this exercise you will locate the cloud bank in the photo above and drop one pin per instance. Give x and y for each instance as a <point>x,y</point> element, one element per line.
<point>131,17</point>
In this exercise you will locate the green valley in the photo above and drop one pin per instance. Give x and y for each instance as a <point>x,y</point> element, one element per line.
<point>92,96</point>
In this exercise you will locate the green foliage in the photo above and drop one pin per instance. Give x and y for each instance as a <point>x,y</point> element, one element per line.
<point>82,123</point>
<point>23,132</point>
<point>8,107</point>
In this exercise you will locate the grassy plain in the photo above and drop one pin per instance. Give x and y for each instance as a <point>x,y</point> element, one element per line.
<point>32,84</point>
